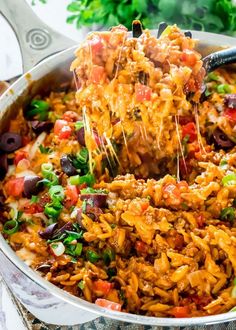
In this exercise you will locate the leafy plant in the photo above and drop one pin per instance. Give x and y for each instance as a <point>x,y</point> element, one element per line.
<point>210,15</point>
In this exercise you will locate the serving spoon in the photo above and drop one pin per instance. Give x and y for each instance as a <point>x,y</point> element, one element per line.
<point>210,62</point>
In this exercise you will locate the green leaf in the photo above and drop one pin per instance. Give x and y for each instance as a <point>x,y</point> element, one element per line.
<point>71,19</point>
<point>167,7</point>
<point>44,150</point>
<point>74,6</point>
<point>140,6</point>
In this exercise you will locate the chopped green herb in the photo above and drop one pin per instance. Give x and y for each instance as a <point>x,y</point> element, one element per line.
<point>185,206</point>
<point>74,250</point>
<point>207,92</point>
<point>224,164</point>
<point>90,190</point>
<point>79,125</point>
<point>212,76</point>
<point>108,256</point>
<point>38,108</point>
<point>53,211</point>
<point>44,150</point>
<point>223,89</point>
<point>81,285</point>
<point>72,236</point>
<point>92,256</point>
<point>228,213</point>
<point>34,199</point>
<point>234,281</point>
<point>229,180</point>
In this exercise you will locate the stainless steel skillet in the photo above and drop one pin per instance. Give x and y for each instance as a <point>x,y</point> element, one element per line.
<point>47,302</point>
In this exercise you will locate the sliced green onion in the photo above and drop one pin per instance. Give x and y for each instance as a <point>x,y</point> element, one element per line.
<point>79,125</point>
<point>56,192</point>
<point>46,168</point>
<point>234,281</point>
<point>81,284</point>
<point>229,180</point>
<point>72,236</point>
<point>74,180</point>
<point>212,76</point>
<point>233,309</point>
<point>108,256</point>
<point>52,211</point>
<point>50,178</point>
<point>228,213</point>
<point>57,248</point>
<point>92,256</point>
<point>223,89</point>
<point>90,190</point>
<point>82,156</point>
<point>38,107</point>
<point>224,164</point>
<point>78,249</point>
<point>88,178</point>
<point>11,227</point>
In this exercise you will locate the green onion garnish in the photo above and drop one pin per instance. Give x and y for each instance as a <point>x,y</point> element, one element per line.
<point>57,193</point>
<point>228,213</point>
<point>44,150</point>
<point>223,89</point>
<point>88,178</point>
<point>212,76</point>
<point>11,227</point>
<point>92,256</point>
<point>81,284</point>
<point>229,180</point>
<point>39,108</point>
<point>108,256</point>
<point>79,125</point>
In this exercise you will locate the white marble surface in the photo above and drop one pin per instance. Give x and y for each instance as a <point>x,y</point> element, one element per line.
<point>10,319</point>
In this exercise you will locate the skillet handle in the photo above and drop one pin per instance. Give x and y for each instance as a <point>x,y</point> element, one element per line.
<point>37,40</point>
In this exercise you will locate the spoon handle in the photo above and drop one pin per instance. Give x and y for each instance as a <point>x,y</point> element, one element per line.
<point>217,59</point>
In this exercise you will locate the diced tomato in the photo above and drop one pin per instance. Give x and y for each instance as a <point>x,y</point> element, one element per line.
<point>19,155</point>
<point>200,220</point>
<point>181,311</point>
<point>143,93</point>
<point>183,120</point>
<point>171,193</point>
<point>95,44</point>
<point>190,131</point>
<point>31,208</point>
<point>15,187</point>
<point>102,287</point>
<point>97,74</point>
<point>141,247</point>
<point>144,205</point>
<point>62,129</point>
<point>201,301</point>
<point>108,304</point>
<point>189,57</point>
<point>70,116</point>
<point>71,196</point>
<point>230,114</point>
